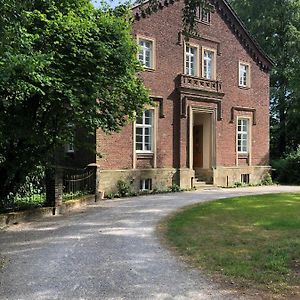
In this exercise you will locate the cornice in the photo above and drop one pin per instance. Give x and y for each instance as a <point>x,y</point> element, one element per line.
<point>243,35</point>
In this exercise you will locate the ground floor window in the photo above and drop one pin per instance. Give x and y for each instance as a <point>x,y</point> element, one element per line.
<point>144,132</point>
<point>245,178</point>
<point>146,184</point>
<point>243,136</point>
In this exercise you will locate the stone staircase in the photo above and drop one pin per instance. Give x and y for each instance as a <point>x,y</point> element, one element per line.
<point>202,182</point>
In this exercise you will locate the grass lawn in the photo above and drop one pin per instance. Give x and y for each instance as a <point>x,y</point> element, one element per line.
<point>251,243</point>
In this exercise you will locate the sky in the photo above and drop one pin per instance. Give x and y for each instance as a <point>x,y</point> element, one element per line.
<point>112,3</point>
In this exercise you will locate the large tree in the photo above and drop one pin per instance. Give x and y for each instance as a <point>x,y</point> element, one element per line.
<point>276,25</point>
<point>61,62</point>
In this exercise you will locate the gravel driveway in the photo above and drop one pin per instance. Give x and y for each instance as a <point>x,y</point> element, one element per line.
<point>106,251</point>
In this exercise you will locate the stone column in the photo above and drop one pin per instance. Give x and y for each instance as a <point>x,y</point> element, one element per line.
<point>185,173</point>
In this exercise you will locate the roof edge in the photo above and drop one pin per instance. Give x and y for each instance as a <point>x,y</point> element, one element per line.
<point>248,33</point>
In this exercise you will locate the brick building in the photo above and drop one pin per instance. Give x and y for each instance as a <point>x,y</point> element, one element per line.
<point>210,121</point>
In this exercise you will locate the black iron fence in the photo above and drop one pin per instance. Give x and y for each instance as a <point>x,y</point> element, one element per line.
<point>75,183</point>
<point>78,183</point>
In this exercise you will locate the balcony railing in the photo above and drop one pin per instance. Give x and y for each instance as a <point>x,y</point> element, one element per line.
<point>200,84</point>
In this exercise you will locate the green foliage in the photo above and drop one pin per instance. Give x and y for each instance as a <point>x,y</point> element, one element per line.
<point>124,188</point>
<point>189,12</point>
<point>27,202</point>
<point>110,195</point>
<point>276,26</point>
<point>61,62</point>
<point>31,194</point>
<point>287,170</point>
<point>237,184</point>
<point>175,188</point>
<point>267,180</point>
<point>75,195</point>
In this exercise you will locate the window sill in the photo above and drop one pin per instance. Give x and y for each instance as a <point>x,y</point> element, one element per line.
<point>144,154</point>
<point>204,23</point>
<point>243,155</point>
<point>148,69</point>
<point>244,87</point>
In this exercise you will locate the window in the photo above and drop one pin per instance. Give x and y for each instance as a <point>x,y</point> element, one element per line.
<point>146,184</point>
<point>208,64</point>
<point>243,136</point>
<point>144,132</point>
<point>70,147</point>
<point>191,60</point>
<point>244,75</point>
<point>245,178</point>
<point>146,53</point>
<point>203,15</point>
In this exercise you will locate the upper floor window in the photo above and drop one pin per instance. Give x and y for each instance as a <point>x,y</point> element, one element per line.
<point>146,53</point>
<point>203,15</point>
<point>244,75</point>
<point>146,184</point>
<point>243,136</point>
<point>208,64</point>
<point>144,131</point>
<point>70,146</point>
<point>191,61</point>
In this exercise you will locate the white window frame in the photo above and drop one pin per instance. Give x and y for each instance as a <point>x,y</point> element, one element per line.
<point>144,183</point>
<point>143,126</point>
<point>70,147</point>
<point>142,51</point>
<point>242,73</point>
<point>202,12</point>
<point>213,63</point>
<point>245,178</point>
<point>243,135</point>
<point>186,60</point>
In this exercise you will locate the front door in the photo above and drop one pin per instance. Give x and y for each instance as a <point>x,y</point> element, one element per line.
<point>198,146</point>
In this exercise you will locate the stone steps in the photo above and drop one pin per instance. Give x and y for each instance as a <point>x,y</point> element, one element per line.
<point>200,184</point>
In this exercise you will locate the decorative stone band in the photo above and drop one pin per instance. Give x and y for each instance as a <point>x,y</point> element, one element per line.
<point>240,108</point>
<point>183,104</point>
<point>160,101</point>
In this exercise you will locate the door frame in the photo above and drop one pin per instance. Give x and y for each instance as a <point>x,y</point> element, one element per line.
<point>212,112</point>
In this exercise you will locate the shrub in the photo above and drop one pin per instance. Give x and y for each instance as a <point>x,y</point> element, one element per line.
<point>267,180</point>
<point>133,194</point>
<point>287,170</point>
<point>124,188</point>
<point>237,184</point>
<point>110,195</point>
<point>175,188</point>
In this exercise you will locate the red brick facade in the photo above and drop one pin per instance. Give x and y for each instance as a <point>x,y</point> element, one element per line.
<point>224,103</point>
